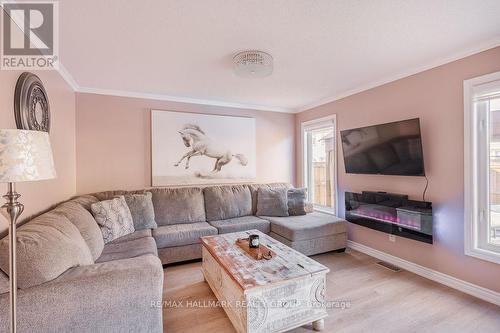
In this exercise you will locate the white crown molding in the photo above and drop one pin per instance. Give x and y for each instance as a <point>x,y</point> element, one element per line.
<point>65,74</point>
<point>435,63</point>
<point>450,281</point>
<point>192,100</point>
<point>179,99</point>
<point>68,77</point>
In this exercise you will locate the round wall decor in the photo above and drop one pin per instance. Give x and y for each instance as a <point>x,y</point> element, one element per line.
<point>31,104</point>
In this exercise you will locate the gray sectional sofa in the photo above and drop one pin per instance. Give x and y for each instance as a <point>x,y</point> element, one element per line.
<point>85,285</point>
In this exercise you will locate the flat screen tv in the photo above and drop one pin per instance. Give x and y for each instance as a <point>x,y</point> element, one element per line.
<point>386,149</point>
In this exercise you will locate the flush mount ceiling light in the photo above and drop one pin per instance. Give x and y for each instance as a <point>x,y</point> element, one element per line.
<point>253,64</point>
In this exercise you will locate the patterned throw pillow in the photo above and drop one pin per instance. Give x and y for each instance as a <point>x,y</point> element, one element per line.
<point>113,217</point>
<point>141,208</point>
<point>297,201</point>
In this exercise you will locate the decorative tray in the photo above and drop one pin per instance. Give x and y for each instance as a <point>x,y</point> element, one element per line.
<point>262,252</point>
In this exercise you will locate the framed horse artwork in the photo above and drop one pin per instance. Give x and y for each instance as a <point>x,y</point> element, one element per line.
<point>193,148</point>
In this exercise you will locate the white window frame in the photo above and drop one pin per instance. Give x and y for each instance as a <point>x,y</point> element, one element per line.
<point>315,124</point>
<point>476,176</point>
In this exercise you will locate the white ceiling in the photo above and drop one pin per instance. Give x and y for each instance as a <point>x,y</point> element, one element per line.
<point>323,49</point>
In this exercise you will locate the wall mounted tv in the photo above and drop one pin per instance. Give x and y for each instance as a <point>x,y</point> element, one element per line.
<point>386,149</point>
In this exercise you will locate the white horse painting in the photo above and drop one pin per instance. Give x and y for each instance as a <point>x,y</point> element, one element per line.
<point>201,145</point>
<point>196,149</point>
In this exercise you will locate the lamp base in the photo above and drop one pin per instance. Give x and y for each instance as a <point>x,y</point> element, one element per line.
<point>12,209</point>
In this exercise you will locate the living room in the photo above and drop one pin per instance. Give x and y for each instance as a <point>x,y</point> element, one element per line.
<point>250,166</point>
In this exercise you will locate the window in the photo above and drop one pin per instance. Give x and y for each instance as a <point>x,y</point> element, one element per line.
<point>482,167</point>
<point>320,163</point>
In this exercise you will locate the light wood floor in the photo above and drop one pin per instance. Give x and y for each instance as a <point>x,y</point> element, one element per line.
<point>380,301</point>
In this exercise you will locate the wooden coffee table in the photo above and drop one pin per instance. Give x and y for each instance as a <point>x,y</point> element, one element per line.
<point>273,295</point>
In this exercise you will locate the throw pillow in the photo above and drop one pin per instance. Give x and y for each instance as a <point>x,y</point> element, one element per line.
<point>297,201</point>
<point>114,218</point>
<point>142,211</point>
<point>309,207</point>
<point>272,202</point>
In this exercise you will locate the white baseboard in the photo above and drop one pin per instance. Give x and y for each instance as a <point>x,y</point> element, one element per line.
<point>450,281</point>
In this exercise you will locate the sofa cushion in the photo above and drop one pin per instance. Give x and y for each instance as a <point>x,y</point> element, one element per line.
<point>114,218</point>
<point>142,210</point>
<point>86,224</point>
<point>85,200</point>
<point>308,226</point>
<point>227,201</point>
<point>4,283</point>
<point>314,246</point>
<point>119,296</point>
<point>169,255</point>
<point>272,202</point>
<point>182,234</point>
<point>178,205</point>
<point>106,195</point>
<point>128,249</point>
<point>135,235</point>
<point>297,201</point>
<point>242,224</point>
<point>47,246</point>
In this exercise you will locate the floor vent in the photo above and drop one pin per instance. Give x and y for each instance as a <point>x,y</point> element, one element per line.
<point>389,266</point>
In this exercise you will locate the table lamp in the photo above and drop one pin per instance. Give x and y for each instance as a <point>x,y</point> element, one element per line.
<point>24,156</point>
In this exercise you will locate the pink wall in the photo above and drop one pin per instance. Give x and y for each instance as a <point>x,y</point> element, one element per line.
<point>436,97</point>
<point>38,196</point>
<point>114,141</point>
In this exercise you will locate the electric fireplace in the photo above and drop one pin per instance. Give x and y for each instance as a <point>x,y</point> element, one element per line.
<point>391,213</point>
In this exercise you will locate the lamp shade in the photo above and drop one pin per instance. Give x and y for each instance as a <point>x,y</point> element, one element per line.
<point>25,156</point>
